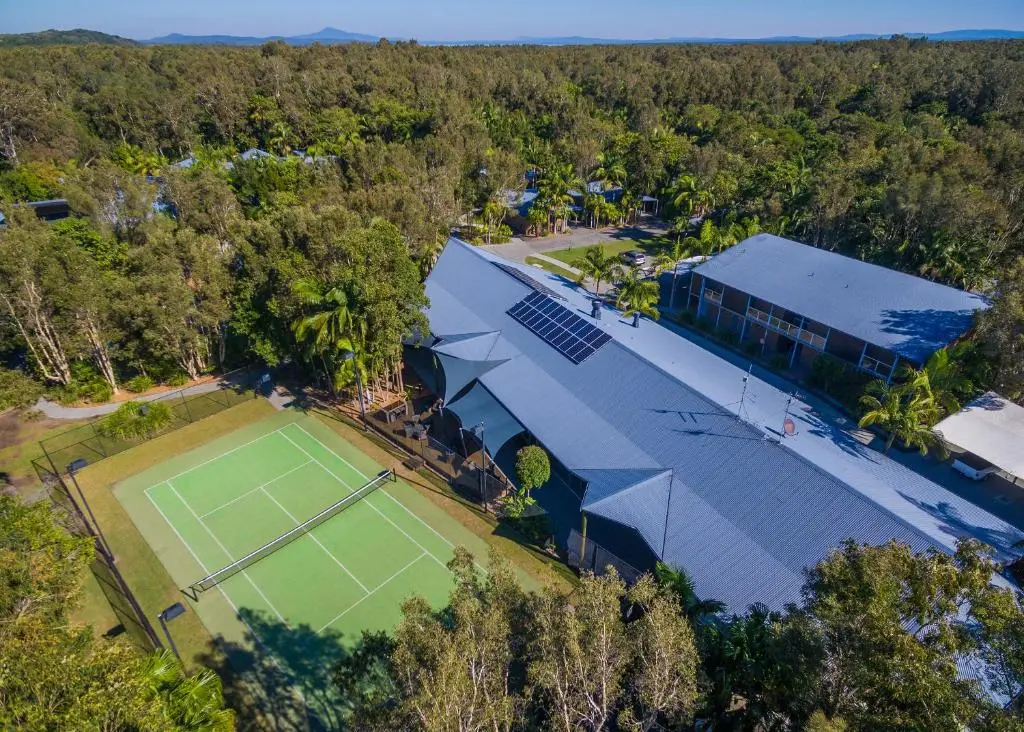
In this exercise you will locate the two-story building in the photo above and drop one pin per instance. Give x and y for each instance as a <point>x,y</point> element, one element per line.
<point>799,302</point>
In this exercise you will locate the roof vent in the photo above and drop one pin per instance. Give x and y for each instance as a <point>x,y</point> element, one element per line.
<point>595,309</point>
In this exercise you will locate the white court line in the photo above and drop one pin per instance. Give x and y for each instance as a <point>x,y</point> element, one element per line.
<point>257,488</point>
<point>255,636</point>
<point>360,473</point>
<point>230,558</point>
<point>340,615</point>
<point>310,535</point>
<point>214,459</point>
<point>379,512</point>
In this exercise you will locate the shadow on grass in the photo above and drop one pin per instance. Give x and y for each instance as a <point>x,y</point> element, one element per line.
<point>293,678</point>
<point>119,603</point>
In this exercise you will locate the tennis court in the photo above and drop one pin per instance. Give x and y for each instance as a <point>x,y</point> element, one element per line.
<point>207,509</point>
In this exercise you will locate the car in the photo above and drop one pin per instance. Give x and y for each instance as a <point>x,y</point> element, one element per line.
<point>635,258</point>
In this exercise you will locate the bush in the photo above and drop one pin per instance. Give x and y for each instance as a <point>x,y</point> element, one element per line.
<point>18,389</point>
<point>778,363</point>
<point>87,385</point>
<point>136,419</point>
<point>179,378</point>
<point>139,384</point>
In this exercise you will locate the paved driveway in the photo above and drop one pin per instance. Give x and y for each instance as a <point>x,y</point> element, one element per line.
<point>520,248</point>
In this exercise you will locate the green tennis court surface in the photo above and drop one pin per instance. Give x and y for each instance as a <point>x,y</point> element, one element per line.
<point>208,508</point>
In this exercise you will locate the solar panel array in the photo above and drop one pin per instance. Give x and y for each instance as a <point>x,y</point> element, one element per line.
<point>559,327</point>
<point>527,280</point>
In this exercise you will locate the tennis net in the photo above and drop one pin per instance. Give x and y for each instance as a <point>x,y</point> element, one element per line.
<point>212,580</point>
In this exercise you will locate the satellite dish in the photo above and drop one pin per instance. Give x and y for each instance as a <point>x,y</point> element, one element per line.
<point>789,427</point>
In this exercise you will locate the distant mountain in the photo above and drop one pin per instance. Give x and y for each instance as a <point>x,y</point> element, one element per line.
<point>954,35</point>
<point>75,37</point>
<point>333,36</point>
<point>325,36</point>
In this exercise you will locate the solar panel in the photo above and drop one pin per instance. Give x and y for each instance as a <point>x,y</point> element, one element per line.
<point>527,280</point>
<point>559,327</point>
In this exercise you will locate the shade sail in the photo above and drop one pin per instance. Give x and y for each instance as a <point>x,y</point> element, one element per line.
<point>458,373</point>
<point>479,407</point>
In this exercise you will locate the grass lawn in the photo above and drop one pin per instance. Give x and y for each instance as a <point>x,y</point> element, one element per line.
<point>653,246</point>
<point>552,268</point>
<point>19,444</point>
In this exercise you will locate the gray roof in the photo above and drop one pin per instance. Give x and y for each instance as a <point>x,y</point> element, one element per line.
<point>907,315</point>
<point>650,422</point>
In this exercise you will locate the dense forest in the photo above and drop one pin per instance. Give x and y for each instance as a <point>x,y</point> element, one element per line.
<point>902,152</point>
<point>905,153</point>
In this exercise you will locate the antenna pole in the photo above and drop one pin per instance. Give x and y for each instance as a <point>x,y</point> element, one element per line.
<point>743,394</point>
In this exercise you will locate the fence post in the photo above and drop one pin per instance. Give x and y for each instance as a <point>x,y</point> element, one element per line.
<point>99,438</point>
<point>188,412</point>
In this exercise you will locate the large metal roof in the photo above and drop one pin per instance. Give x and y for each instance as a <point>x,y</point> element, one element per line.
<point>908,315</point>
<point>651,422</point>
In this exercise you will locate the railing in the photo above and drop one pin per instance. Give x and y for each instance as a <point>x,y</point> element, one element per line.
<point>786,328</point>
<point>876,367</point>
<point>713,296</point>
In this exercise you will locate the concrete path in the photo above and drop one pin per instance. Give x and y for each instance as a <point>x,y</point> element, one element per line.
<point>56,411</point>
<point>558,263</point>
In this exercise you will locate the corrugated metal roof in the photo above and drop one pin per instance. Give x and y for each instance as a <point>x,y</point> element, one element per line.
<point>747,511</point>
<point>907,315</point>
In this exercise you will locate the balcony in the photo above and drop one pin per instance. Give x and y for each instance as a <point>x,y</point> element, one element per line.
<point>874,366</point>
<point>786,328</point>
<point>713,296</point>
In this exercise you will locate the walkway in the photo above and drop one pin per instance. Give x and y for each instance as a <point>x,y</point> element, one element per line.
<point>56,411</point>
<point>520,248</point>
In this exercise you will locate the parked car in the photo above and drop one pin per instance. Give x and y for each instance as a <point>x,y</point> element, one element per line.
<point>635,257</point>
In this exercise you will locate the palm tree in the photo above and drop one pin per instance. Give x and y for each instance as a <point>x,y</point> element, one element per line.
<point>638,296</point>
<point>905,411</point>
<point>672,259</point>
<point>943,377</point>
<point>709,239</point>
<point>555,187</point>
<point>691,197</point>
<point>594,203</point>
<point>495,211</point>
<point>610,169</point>
<point>192,702</point>
<point>333,320</point>
<point>429,254</point>
<point>537,217</point>
<point>597,267</point>
<point>330,331</point>
<point>678,582</point>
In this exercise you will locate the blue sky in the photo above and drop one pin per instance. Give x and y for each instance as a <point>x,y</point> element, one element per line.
<point>484,19</point>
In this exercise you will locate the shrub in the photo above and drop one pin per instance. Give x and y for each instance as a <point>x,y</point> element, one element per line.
<point>778,363</point>
<point>179,378</point>
<point>17,389</point>
<point>139,384</point>
<point>136,419</point>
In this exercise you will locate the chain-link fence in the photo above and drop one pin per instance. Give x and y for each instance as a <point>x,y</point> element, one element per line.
<point>90,444</point>
<point>597,559</point>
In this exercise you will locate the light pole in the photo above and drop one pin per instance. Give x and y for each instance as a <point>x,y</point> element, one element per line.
<point>73,467</point>
<point>170,613</point>
<point>351,356</point>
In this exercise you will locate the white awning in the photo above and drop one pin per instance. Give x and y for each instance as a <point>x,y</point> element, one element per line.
<point>990,427</point>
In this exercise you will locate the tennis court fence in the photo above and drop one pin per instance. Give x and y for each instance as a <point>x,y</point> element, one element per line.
<point>239,565</point>
<point>88,442</point>
<point>597,559</point>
